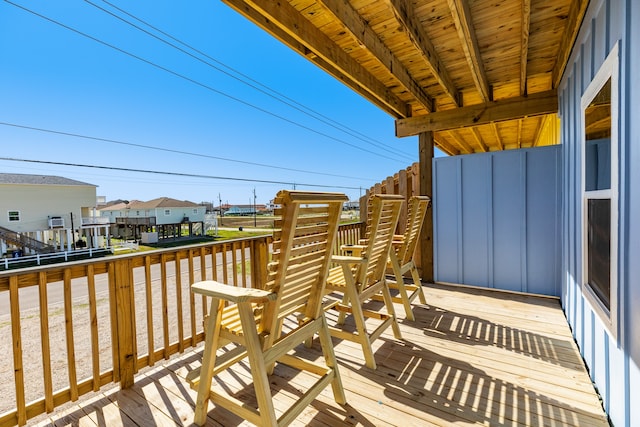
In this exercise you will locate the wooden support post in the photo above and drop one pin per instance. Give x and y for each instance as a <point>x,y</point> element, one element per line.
<point>425,143</point>
<point>259,264</point>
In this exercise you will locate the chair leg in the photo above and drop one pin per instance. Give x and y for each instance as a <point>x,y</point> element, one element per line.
<point>212,337</point>
<point>362,335</point>
<point>258,366</point>
<point>388,302</point>
<point>330,357</point>
<point>418,282</point>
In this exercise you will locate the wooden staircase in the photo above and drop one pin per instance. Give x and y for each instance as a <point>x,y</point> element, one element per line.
<point>25,241</point>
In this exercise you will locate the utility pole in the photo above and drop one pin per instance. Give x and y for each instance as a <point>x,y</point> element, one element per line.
<point>255,220</point>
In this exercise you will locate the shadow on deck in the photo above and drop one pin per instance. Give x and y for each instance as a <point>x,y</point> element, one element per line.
<point>472,356</point>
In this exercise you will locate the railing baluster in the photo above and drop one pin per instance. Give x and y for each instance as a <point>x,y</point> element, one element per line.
<point>192,299</point>
<point>93,315</point>
<point>149,299</point>
<point>179,304</point>
<point>234,264</point>
<point>68,322</point>
<point>165,304</point>
<point>17,350</point>
<point>243,261</point>
<point>44,341</point>
<point>113,312</point>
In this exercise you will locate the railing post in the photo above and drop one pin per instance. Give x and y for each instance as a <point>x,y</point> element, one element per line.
<point>121,275</point>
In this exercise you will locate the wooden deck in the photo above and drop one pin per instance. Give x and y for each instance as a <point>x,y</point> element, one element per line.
<point>471,357</point>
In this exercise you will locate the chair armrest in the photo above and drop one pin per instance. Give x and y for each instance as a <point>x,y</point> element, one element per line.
<point>346,260</point>
<point>234,294</point>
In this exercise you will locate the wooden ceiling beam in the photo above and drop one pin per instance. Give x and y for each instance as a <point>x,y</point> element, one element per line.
<point>475,115</point>
<point>478,137</point>
<point>405,15</point>
<point>498,137</point>
<point>524,45</point>
<point>520,133</point>
<point>285,23</point>
<point>361,31</point>
<point>467,34</point>
<point>577,10</point>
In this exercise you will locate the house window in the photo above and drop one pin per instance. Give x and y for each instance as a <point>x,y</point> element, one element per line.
<point>167,212</point>
<point>14,216</point>
<point>600,192</point>
<point>195,211</point>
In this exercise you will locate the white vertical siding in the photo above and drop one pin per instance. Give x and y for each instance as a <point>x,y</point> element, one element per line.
<point>497,218</point>
<point>613,361</point>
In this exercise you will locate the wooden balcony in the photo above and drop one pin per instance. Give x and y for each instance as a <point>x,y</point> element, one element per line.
<point>122,333</point>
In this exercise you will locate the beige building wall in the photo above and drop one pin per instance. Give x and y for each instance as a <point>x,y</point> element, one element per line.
<point>36,203</point>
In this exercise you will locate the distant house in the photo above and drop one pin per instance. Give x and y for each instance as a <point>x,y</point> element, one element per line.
<point>43,213</point>
<point>165,216</point>
<point>243,210</point>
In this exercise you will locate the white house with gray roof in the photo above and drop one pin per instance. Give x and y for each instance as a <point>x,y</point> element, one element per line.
<point>46,209</point>
<point>166,216</point>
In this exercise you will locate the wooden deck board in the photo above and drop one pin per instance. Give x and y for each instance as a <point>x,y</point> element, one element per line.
<point>472,357</point>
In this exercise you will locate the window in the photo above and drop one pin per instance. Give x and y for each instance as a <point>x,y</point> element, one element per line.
<point>600,192</point>
<point>14,216</point>
<point>195,211</point>
<point>167,212</point>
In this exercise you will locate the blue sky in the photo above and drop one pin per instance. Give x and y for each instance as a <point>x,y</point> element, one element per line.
<point>169,112</point>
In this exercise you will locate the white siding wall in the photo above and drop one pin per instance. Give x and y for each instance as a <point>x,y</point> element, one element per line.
<point>497,220</point>
<point>613,361</point>
<point>37,202</point>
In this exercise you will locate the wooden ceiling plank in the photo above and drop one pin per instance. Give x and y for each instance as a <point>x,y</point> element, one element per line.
<point>498,137</point>
<point>292,26</point>
<point>466,32</point>
<point>536,135</point>
<point>362,32</point>
<point>519,133</point>
<point>478,137</point>
<point>476,115</point>
<point>577,10</point>
<point>524,45</point>
<point>405,15</point>
<point>445,146</point>
<point>466,148</point>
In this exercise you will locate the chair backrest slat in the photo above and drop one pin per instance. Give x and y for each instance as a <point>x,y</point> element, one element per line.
<point>383,215</point>
<point>305,235</point>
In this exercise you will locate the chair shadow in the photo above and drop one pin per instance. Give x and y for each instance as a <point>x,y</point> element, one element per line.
<point>455,390</point>
<point>469,329</point>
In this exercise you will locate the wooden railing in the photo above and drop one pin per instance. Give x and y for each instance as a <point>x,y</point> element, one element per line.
<point>69,329</point>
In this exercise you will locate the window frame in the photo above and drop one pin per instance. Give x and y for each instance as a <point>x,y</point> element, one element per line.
<point>608,70</point>
<point>19,215</point>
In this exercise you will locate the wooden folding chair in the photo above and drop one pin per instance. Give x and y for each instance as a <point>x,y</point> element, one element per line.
<point>361,276</point>
<point>401,256</point>
<point>303,240</point>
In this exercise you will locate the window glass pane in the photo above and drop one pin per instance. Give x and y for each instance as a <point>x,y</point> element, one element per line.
<point>597,119</point>
<point>599,248</point>
<point>14,216</point>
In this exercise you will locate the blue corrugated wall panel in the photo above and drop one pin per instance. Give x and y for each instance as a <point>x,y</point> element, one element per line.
<point>497,218</point>
<point>613,359</point>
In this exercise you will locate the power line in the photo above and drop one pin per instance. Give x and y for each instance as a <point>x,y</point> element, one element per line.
<point>181,174</point>
<point>274,94</point>
<point>205,86</point>
<point>169,150</point>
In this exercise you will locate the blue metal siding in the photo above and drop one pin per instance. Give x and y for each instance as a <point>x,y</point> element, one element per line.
<point>613,361</point>
<point>497,218</point>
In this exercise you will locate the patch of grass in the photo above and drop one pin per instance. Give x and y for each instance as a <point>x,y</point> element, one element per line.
<point>232,234</point>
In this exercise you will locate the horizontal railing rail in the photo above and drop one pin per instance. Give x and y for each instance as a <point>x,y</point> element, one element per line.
<point>70,329</point>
